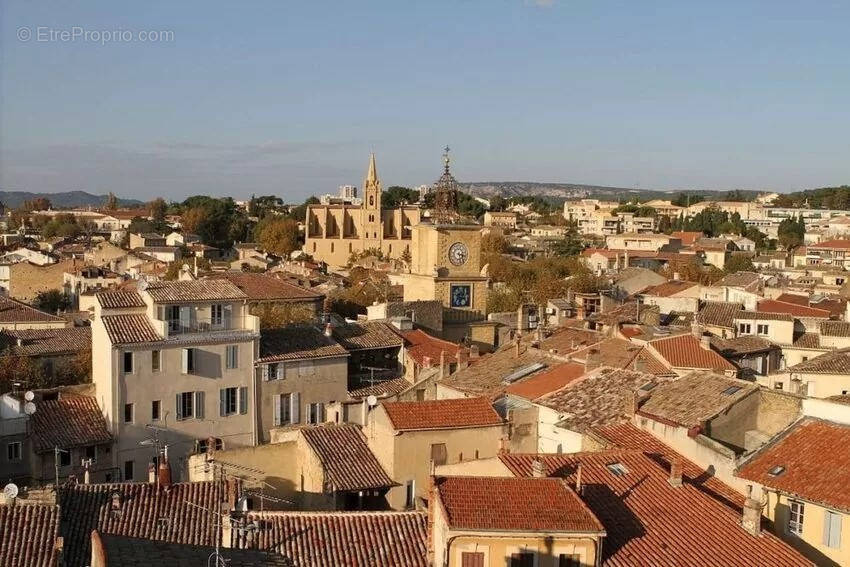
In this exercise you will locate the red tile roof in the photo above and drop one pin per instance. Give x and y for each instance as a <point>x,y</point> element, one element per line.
<point>685,351</point>
<point>68,423</point>
<point>262,287</point>
<point>814,455</point>
<point>122,551</point>
<point>669,289</point>
<point>421,345</point>
<point>119,299</point>
<point>794,298</point>
<point>28,535</point>
<point>348,462</point>
<point>355,539</point>
<point>191,291</point>
<point>12,311</point>
<point>46,342</point>
<point>130,328</point>
<point>774,306</point>
<point>687,238</point>
<point>145,511</point>
<point>384,388</point>
<point>831,244</point>
<point>514,505</point>
<point>364,336</point>
<point>442,414</point>
<point>547,382</point>
<point>650,522</point>
<point>297,342</point>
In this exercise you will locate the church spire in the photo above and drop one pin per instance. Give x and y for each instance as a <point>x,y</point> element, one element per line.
<point>372,174</point>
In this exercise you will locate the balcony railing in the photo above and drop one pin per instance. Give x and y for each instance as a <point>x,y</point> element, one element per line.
<point>210,324</point>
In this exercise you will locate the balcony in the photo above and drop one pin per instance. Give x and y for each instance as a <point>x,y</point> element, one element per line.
<point>194,325</point>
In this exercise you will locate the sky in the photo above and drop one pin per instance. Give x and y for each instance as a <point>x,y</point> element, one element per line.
<point>172,99</point>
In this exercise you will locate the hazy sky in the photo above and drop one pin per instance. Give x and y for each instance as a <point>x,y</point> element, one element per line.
<point>290,97</point>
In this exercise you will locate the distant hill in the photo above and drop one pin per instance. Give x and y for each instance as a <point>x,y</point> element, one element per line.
<point>562,191</point>
<point>65,199</point>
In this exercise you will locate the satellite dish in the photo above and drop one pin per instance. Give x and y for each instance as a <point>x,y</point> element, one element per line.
<point>29,396</point>
<point>29,408</point>
<point>10,490</point>
<point>142,285</point>
<point>372,401</point>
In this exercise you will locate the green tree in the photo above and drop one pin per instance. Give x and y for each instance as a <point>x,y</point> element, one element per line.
<point>738,263</point>
<point>52,301</point>
<point>396,196</point>
<point>158,209</point>
<point>278,235</point>
<point>111,202</point>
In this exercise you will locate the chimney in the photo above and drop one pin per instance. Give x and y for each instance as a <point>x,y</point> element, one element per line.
<point>696,330</point>
<point>115,501</point>
<point>640,364</point>
<point>538,468</point>
<point>631,403</point>
<point>578,479</point>
<point>443,366</point>
<point>432,504</point>
<point>504,445</point>
<point>232,494</point>
<point>518,346</point>
<point>675,472</point>
<point>705,342</point>
<point>426,362</point>
<point>474,352</point>
<point>462,358</point>
<point>676,276</point>
<point>751,520</point>
<point>164,470</point>
<point>329,329</point>
<point>152,472</point>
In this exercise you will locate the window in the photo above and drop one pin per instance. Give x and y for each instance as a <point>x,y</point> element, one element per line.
<point>64,458</point>
<point>189,405</point>
<point>472,559</point>
<point>91,453</point>
<point>273,371</point>
<point>731,390</point>
<point>155,354</point>
<point>569,560</point>
<point>776,471</point>
<point>617,469</point>
<point>795,517</point>
<point>522,559</point>
<point>156,410</point>
<point>745,328</point>
<point>128,413</point>
<point>282,409</point>
<point>203,445</point>
<point>128,362</point>
<point>410,494</point>
<point>128,470</point>
<point>14,451</point>
<point>438,453</point>
<point>232,356</point>
<point>229,398</point>
<point>831,529</point>
<point>777,385</point>
<point>761,329</point>
<point>316,413</point>
<point>216,314</point>
<point>189,357</point>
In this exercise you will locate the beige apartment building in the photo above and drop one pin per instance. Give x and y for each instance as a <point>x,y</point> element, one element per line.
<point>174,365</point>
<point>501,219</point>
<point>335,231</point>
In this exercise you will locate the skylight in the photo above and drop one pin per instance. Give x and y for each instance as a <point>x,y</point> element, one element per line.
<point>521,372</point>
<point>617,469</point>
<point>776,471</point>
<point>731,390</point>
<point>648,386</point>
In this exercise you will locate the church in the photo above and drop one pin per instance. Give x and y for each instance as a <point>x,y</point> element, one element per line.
<point>333,232</point>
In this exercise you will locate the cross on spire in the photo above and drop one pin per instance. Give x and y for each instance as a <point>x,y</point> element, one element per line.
<point>446,158</point>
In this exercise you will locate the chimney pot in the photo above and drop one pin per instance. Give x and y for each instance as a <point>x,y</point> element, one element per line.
<point>329,330</point>
<point>152,472</point>
<point>538,468</point>
<point>578,479</point>
<point>705,342</point>
<point>675,473</point>
<point>164,471</point>
<point>751,520</point>
<point>474,351</point>
<point>631,400</point>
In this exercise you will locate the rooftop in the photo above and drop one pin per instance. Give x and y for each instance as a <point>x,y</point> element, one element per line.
<point>297,342</point>
<point>695,398</point>
<point>669,289</point>
<point>120,299</point>
<point>763,316</point>
<point>773,306</point>
<point>68,423</point>
<point>835,328</point>
<point>739,346</point>
<point>546,382</point>
<point>130,328</point>
<point>320,539</point>
<point>382,388</point>
<point>833,362</point>
<point>46,342</point>
<point>649,521</point>
<point>686,351</point>
<point>194,290</point>
<point>442,414</point>
<point>348,463</point>
<point>122,551</point>
<point>719,313</point>
<point>12,311</point>
<point>831,244</point>
<point>421,345</point>
<point>28,535</point>
<point>813,457</point>
<point>517,504</point>
<point>746,280</point>
<point>262,287</point>
<point>365,336</point>
<point>486,376</point>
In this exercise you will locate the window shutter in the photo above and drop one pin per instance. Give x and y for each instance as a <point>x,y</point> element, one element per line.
<point>179,408</point>
<point>277,401</point>
<point>160,312</point>
<point>243,400</point>
<point>199,405</point>
<point>228,315</point>
<point>185,317</point>
<point>295,407</point>
<point>264,369</point>
<point>185,367</point>
<point>278,373</point>
<point>222,402</point>
<point>321,413</point>
<point>235,363</point>
<point>835,531</point>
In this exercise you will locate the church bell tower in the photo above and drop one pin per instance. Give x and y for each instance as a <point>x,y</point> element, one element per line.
<point>372,226</point>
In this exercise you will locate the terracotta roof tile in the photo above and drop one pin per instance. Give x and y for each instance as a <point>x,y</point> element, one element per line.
<point>685,351</point>
<point>773,306</point>
<point>814,455</point>
<point>763,316</point>
<point>669,289</point>
<point>719,313</point>
<point>380,389</point>
<point>145,511</point>
<point>486,376</point>
<point>833,362</point>
<point>809,340</point>
<point>687,237</point>
<point>835,328</point>
<point>297,342</point>
<point>130,328</point>
<point>420,345</point>
<point>745,344</point>
<point>546,382</point>
<point>348,462</point>
<point>12,311</point>
<point>67,423</point>
<point>262,287</point>
<point>514,505</point>
<point>196,290</point>
<point>44,342</point>
<point>747,280</point>
<point>357,539</point>
<point>137,552</point>
<point>364,336</point>
<point>794,298</point>
<point>650,522</point>
<point>442,414</point>
<point>28,535</point>
<point>119,299</point>
<point>568,339</point>
<point>831,245</point>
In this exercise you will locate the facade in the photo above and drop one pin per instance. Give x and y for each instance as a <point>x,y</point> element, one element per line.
<point>334,232</point>
<point>178,356</point>
<point>505,219</point>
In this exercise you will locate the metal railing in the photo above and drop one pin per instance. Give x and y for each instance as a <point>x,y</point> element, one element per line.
<point>207,324</point>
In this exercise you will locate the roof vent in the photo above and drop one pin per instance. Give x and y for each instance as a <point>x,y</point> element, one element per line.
<point>522,372</point>
<point>778,470</point>
<point>731,390</point>
<point>617,469</point>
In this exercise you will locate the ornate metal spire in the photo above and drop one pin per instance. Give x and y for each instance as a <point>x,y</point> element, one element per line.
<point>445,198</point>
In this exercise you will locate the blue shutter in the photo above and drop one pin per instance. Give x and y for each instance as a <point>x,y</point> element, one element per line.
<point>243,400</point>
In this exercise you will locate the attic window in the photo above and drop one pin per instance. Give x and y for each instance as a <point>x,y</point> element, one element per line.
<point>776,471</point>
<point>731,390</point>
<point>648,386</point>
<point>617,469</point>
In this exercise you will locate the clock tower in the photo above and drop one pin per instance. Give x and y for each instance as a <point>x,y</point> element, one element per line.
<point>446,258</point>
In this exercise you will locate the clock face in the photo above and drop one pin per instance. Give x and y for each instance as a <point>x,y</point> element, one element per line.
<point>458,254</point>
<point>461,296</point>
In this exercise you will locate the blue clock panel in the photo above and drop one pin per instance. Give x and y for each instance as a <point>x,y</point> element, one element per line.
<point>461,295</point>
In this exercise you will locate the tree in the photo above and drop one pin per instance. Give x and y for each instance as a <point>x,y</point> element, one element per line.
<point>684,200</point>
<point>158,209</point>
<point>738,263</point>
<point>791,232</point>
<point>278,235</point>
<point>111,202</point>
<point>52,301</point>
<point>493,244</point>
<point>193,218</point>
<point>498,203</point>
<point>37,204</point>
<point>273,316</point>
<point>396,196</point>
